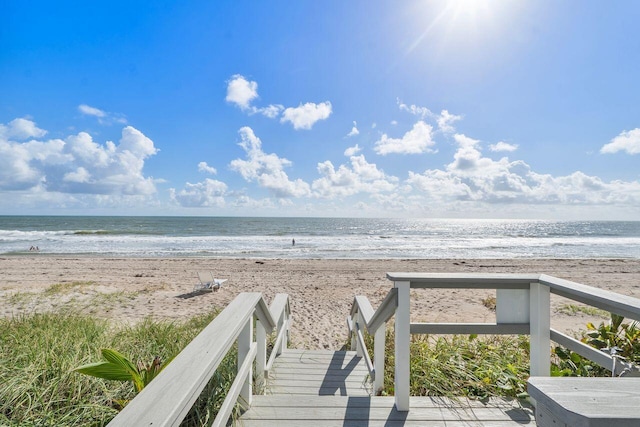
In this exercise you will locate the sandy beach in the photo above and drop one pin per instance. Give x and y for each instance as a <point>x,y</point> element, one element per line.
<point>321,291</point>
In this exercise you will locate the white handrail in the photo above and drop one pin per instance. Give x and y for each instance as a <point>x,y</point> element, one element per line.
<point>529,293</point>
<point>169,397</point>
<point>375,323</point>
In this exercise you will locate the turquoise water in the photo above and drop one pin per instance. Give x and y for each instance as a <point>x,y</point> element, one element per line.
<point>318,237</point>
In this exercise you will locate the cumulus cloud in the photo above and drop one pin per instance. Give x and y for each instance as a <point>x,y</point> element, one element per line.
<point>76,164</point>
<point>272,111</point>
<point>102,116</point>
<point>416,141</point>
<point>358,177</point>
<point>503,146</point>
<point>241,91</point>
<point>266,169</point>
<point>422,112</point>
<point>204,167</point>
<point>354,130</point>
<point>473,177</point>
<point>306,115</point>
<point>628,141</point>
<point>351,151</point>
<point>21,129</point>
<point>208,193</point>
<point>445,121</point>
<point>91,111</point>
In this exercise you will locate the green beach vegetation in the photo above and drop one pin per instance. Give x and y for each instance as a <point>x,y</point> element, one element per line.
<point>38,354</point>
<point>462,365</point>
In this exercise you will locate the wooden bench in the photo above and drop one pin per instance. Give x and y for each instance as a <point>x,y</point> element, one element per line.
<point>592,402</point>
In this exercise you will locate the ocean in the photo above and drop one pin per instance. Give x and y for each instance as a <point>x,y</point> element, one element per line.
<point>365,238</point>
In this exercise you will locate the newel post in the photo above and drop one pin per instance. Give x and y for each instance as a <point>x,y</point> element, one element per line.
<point>244,346</point>
<point>402,336</point>
<point>540,324</point>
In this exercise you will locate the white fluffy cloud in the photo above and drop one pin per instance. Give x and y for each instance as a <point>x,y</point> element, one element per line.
<point>306,115</point>
<point>359,177</point>
<point>204,167</point>
<point>76,164</point>
<point>241,91</point>
<point>272,111</point>
<point>503,146</point>
<point>208,193</point>
<point>445,121</point>
<point>102,116</point>
<point>266,169</point>
<point>354,130</point>
<point>422,112</point>
<point>473,177</point>
<point>21,129</point>
<point>91,111</point>
<point>352,151</point>
<point>418,140</point>
<point>628,141</point>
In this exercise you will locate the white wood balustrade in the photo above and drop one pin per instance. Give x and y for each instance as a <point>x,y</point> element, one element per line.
<point>169,397</point>
<point>522,307</point>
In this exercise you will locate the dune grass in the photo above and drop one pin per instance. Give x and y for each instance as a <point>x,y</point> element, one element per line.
<point>39,351</point>
<point>462,365</point>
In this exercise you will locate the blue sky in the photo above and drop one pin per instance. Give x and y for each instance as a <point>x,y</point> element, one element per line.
<point>467,108</point>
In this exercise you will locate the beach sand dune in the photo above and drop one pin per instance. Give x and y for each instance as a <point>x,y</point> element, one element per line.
<point>321,291</point>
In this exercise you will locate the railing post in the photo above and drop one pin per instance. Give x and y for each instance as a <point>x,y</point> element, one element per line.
<point>378,357</point>
<point>540,330</point>
<point>358,325</point>
<point>283,322</point>
<point>244,345</point>
<point>261,356</point>
<point>403,334</point>
<point>354,337</point>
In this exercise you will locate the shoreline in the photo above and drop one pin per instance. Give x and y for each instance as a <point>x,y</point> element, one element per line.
<point>128,289</point>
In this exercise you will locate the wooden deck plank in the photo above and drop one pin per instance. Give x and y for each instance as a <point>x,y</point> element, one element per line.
<point>381,414</point>
<point>380,411</point>
<point>373,423</point>
<point>387,401</point>
<point>322,388</point>
<point>588,402</point>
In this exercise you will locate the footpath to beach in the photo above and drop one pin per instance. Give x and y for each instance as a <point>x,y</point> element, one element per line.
<point>321,291</point>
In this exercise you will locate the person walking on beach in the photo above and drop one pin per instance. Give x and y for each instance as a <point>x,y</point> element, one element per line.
<point>293,242</point>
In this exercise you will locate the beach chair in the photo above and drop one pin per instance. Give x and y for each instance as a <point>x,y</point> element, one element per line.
<point>207,282</point>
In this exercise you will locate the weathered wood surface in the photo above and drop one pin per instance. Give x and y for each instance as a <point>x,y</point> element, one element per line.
<point>610,301</point>
<point>319,373</point>
<point>325,388</point>
<point>168,398</point>
<point>588,402</point>
<point>350,411</point>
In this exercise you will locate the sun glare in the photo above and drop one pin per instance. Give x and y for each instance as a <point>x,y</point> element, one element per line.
<point>453,21</point>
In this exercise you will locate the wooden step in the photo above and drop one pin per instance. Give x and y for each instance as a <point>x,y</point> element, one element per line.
<point>309,411</point>
<point>319,373</point>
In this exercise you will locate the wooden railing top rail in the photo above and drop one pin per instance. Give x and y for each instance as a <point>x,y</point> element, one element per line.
<point>623,305</point>
<point>374,319</point>
<point>169,397</point>
<point>279,306</point>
